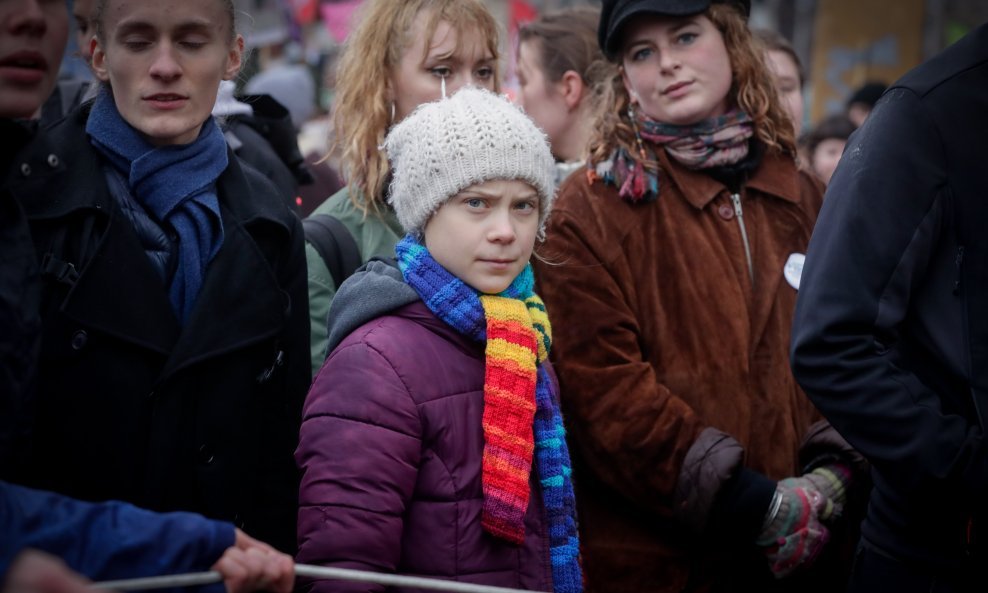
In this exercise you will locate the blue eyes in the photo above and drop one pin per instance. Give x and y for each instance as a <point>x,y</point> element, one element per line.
<point>480,204</point>
<point>484,73</point>
<point>641,54</point>
<point>644,53</point>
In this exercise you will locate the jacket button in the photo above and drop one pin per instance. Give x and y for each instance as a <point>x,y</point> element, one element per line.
<point>53,160</point>
<point>79,340</point>
<point>726,211</point>
<point>206,456</point>
<point>25,169</point>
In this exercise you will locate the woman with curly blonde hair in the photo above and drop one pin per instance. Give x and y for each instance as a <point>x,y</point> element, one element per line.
<point>400,55</point>
<point>698,462</point>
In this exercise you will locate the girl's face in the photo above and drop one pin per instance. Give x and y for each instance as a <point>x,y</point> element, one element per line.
<point>33,34</point>
<point>786,76</point>
<point>415,80</point>
<point>82,12</point>
<point>540,98</point>
<point>485,234</point>
<point>826,156</point>
<point>164,62</point>
<point>677,68</point>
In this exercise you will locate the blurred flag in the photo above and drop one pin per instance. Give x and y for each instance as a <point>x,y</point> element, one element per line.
<point>337,16</point>
<point>303,11</point>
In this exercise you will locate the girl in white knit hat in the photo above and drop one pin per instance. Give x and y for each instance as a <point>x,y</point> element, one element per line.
<point>432,441</point>
<point>398,56</point>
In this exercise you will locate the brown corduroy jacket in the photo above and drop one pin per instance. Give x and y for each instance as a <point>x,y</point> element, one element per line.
<point>673,361</point>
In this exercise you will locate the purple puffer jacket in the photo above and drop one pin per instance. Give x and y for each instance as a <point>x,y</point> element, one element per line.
<point>391,446</point>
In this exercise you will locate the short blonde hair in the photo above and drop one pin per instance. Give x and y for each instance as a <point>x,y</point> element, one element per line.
<point>373,49</point>
<point>752,90</point>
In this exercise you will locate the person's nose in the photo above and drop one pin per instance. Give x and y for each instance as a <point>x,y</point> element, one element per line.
<point>502,228</point>
<point>668,61</point>
<point>28,18</point>
<point>165,66</point>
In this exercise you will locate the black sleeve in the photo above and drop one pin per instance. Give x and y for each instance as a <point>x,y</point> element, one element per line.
<point>882,218</point>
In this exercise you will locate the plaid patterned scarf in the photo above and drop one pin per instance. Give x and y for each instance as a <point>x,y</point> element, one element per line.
<point>520,422</point>
<point>711,143</point>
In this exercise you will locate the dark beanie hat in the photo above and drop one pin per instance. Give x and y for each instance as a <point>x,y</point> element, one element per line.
<point>869,93</point>
<point>616,13</point>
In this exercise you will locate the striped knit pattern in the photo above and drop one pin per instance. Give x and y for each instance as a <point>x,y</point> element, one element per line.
<point>521,422</point>
<point>509,415</point>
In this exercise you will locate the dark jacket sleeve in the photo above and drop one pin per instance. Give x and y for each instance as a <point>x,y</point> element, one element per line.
<point>280,495</point>
<point>20,337</point>
<point>109,540</point>
<point>871,249</point>
<point>359,451</point>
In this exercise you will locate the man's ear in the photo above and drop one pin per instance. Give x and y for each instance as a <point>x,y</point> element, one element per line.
<point>572,88</point>
<point>99,60</point>
<point>234,59</point>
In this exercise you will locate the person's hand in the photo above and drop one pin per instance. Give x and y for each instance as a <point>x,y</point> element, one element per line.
<point>792,535</point>
<point>832,481</point>
<point>36,572</point>
<point>250,565</point>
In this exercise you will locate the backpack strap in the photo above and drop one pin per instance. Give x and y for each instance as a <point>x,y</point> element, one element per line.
<point>335,245</point>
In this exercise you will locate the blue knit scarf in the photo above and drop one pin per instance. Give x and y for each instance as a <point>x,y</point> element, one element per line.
<point>461,307</point>
<point>175,184</point>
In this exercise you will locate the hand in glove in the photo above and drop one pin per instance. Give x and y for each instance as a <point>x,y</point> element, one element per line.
<point>792,535</point>
<point>832,481</point>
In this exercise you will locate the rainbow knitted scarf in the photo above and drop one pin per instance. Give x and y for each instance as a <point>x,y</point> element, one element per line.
<point>520,416</point>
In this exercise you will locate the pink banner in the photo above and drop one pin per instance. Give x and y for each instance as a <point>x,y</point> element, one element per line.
<point>337,16</point>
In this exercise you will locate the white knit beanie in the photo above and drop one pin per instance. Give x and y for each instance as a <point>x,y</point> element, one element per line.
<point>446,146</point>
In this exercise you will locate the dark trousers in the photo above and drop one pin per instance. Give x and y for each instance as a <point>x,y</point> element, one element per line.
<point>874,572</point>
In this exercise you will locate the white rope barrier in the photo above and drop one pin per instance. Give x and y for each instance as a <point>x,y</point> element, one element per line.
<point>306,570</point>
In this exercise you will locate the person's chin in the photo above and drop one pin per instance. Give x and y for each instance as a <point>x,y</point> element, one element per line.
<point>19,104</point>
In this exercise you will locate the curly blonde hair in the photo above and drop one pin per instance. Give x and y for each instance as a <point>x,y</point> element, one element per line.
<point>752,90</point>
<point>363,111</point>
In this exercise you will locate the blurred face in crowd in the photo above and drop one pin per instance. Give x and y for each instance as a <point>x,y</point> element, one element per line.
<point>543,100</point>
<point>83,12</point>
<point>826,156</point>
<point>858,113</point>
<point>788,85</point>
<point>164,62</point>
<point>33,35</point>
<point>676,68</point>
<point>459,57</point>
<point>485,234</point>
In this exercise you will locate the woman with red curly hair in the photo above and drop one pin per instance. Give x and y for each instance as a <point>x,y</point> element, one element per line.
<point>674,263</point>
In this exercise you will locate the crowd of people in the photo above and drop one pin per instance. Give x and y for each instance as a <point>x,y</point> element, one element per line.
<point>560,344</point>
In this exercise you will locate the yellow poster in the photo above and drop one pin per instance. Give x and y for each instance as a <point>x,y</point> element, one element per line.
<point>856,41</point>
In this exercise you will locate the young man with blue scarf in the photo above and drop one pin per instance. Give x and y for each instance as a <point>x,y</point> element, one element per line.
<point>173,305</point>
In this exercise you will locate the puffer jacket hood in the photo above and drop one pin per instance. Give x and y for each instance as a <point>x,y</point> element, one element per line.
<point>375,289</point>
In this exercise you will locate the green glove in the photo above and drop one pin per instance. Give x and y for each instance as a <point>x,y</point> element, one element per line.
<point>792,535</point>
<point>832,481</point>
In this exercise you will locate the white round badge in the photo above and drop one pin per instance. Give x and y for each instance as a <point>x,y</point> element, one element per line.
<point>793,269</point>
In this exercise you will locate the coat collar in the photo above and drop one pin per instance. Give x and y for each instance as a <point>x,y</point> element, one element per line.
<point>775,176</point>
<point>61,162</point>
<point>118,292</point>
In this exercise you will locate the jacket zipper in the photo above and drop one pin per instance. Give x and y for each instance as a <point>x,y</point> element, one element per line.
<point>958,260</point>
<point>739,213</point>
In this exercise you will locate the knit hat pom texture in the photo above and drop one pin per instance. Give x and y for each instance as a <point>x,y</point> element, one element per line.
<point>446,146</point>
